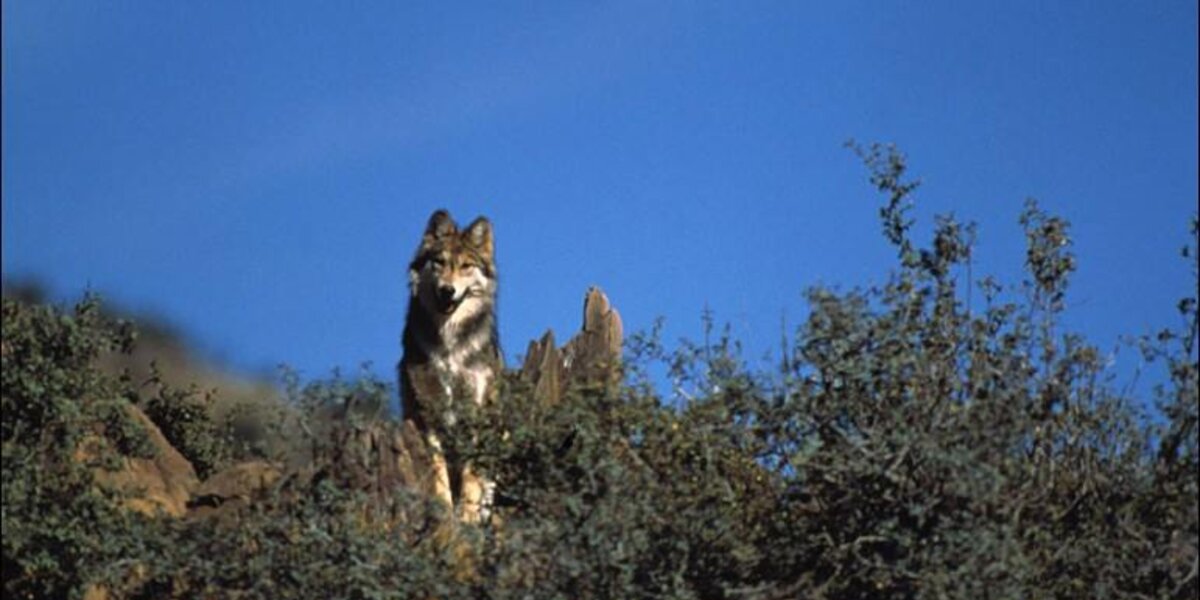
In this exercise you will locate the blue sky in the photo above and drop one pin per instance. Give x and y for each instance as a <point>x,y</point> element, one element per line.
<point>259,173</point>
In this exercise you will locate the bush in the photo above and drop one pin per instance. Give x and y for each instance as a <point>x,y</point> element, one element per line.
<point>60,530</point>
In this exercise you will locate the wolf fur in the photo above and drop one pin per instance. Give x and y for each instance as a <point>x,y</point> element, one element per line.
<point>451,346</point>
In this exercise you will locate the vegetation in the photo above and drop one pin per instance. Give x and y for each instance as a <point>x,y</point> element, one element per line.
<point>909,445</point>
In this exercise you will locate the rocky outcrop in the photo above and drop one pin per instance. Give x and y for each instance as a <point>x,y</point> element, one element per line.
<point>163,483</point>
<point>375,457</point>
<point>591,358</point>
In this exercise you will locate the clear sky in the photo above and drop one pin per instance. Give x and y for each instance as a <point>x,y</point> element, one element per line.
<point>260,173</point>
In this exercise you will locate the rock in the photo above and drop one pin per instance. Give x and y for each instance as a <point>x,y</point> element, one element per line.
<point>543,368</point>
<point>410,463</point>
<point>594,354</point>
<point>233,487</point>
<point>592,357</point>
<point>163,483</point>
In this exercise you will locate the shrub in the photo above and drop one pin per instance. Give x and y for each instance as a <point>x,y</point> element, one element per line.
<point>60,531</point>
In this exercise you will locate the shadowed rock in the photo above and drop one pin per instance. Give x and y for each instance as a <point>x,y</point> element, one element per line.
<point>233,487</point>
<point>380,456</point>
<point>543,368</point>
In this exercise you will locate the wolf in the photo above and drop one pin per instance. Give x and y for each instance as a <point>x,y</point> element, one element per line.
<point>451,347</point>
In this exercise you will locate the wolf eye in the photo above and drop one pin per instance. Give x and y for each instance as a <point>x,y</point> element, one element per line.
<point>437,262</point>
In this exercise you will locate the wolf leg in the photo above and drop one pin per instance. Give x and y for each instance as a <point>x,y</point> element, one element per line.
<point>488,500</point>
<point>472,496</point>
<point>440,477</point>
<point>477,497</point>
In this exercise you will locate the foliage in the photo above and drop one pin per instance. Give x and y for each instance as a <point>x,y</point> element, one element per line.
<point>60,531</point>
<point>185,419</point>
<point>908,445</point>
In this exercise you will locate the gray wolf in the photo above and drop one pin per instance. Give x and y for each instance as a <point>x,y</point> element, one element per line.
<point>451,346</point>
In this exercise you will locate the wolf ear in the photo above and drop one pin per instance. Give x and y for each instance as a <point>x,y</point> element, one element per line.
<point>479,235</point>
<point>440,226</point>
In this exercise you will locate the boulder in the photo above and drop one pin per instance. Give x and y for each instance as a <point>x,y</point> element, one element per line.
<point>233,487</point>
<point>162,483</point>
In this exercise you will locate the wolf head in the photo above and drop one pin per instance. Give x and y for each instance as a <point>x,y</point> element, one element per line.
<point>454,272</point>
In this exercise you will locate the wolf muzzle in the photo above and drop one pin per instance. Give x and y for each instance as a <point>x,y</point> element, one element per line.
<point>446,301</point>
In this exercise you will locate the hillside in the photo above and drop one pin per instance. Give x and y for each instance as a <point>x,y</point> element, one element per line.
<point>906,446</point>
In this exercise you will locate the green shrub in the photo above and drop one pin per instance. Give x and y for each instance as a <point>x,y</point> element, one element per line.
<point>60,531</point>
<point>185,418</point>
